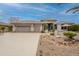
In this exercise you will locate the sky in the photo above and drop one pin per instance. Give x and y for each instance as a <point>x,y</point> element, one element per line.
<point>38,11</point>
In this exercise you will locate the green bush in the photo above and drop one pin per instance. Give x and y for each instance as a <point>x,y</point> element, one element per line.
<point>70,34</point>
<point>2,27</point>
<point>51,33</point>
<point>74,28</point>
<point>42,32</point>
<point>10,28</point>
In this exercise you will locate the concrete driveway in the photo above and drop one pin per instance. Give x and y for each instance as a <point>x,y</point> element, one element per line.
<point>19,44</point>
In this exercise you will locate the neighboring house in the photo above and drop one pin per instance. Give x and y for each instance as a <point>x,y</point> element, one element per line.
<point>66,26</point>
<point>33,26</point>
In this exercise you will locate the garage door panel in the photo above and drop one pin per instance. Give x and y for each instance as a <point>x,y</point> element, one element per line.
<point>37,28</point>
<point>23,29</point>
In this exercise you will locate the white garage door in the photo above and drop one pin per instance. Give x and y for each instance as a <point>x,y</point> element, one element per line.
<point>23,29</point>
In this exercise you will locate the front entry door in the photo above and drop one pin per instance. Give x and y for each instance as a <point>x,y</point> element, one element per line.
<point>50,27</point>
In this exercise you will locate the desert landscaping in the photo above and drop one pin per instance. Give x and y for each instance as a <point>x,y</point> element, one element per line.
<point>50,45</point>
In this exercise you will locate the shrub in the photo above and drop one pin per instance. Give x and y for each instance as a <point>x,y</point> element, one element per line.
<point>51,33</point>
<point>74,28</point>
<point>42,32</point>
<point>10,28</point>
<point>70,34</point>
<point>2,27</point>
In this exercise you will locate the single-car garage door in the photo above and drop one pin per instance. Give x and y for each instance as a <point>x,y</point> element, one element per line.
<point>23,29</point>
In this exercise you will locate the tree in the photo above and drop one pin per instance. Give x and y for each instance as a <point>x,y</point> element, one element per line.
<point>74,9</point>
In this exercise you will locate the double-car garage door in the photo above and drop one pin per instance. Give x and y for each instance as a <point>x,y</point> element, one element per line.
<point>23,29</point>
<point>36,28</point>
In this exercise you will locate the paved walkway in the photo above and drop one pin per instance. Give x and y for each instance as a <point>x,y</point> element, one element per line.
<point>19,44</point>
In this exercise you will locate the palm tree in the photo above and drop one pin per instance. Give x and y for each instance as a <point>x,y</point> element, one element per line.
<point>73,10</point>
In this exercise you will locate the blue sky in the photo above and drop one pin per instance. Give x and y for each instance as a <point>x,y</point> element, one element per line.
<point>38,11</point>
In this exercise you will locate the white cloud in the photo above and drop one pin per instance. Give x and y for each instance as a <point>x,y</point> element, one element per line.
<point>2,13</point>
<point>43,8</point>
<point>46,8</point>
<point>37,8</point>
<point>13,4</point>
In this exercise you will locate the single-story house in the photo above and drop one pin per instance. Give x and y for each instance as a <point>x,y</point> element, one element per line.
<point>33,26</point>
